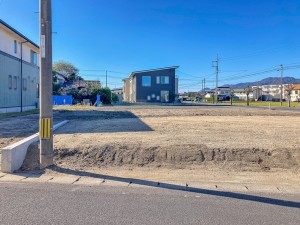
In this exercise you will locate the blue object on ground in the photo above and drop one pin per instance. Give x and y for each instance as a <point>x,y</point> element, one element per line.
<point>62,99</point>
<point>98,100</point>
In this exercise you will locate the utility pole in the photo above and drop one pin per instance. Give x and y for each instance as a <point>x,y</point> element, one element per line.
<point>217,77</point>
<point>281,84</point>
<point>46,114</point>
<point>204,84</point>
<point>106,78</point>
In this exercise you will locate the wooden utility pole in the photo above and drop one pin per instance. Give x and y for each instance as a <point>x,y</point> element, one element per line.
<point>217,77</point>
<point>248,90</point>
<point>46,114</point>
<point>288,89</point>
<point>106,78</point>
<point>281,84</point>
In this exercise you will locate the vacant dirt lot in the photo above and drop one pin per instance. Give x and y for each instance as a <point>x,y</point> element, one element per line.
<point>172,143</point>
<point>238,139</point>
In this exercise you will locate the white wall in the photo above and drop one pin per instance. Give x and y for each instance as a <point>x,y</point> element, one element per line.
<point>295,95</point>
<point>7,38</point>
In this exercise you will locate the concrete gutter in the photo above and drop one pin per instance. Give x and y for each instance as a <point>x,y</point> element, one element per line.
<point>13,155</point>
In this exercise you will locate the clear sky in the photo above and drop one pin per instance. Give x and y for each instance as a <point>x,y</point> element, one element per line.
<point>130,35</point>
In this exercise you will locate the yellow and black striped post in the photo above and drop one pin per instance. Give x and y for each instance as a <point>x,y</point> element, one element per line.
<point>45,128</point>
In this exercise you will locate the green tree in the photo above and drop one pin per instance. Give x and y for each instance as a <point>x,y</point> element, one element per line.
<point>67,69</point>
<point>54,77</point>
<point>105,95</point>
<point>115,97</point>
<point>56,89</point>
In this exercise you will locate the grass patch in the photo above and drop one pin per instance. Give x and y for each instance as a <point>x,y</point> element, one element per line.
<point>16,114</point>
<point>266,104</point>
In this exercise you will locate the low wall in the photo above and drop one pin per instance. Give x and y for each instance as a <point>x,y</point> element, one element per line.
<point>13,155</point>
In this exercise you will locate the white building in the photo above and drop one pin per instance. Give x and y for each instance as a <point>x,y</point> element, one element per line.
<point>241,93</point>
<point>295,95</point>
<point>19,70</point>
<point>119,92</point>
<point>272,90</point>
<point>224,91</point>
<point>60,78</point>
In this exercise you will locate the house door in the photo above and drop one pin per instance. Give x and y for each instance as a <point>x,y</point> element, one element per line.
<point>164,96</point>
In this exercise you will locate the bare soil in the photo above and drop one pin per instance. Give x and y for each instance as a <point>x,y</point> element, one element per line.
<point>239,139</point>
<point>236,143</point>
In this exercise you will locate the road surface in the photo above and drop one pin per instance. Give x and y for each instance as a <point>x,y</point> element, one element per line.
<point>35,203</point>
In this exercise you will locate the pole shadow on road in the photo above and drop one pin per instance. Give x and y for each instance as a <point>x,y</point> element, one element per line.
<point>247,197</point>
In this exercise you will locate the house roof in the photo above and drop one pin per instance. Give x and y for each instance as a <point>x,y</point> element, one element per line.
<point>17,32</point>
<point>60,74</point>
<point>296,87</point>
<point>117,89</point>
<point>150,70</point>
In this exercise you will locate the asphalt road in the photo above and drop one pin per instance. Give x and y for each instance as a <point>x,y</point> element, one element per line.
<point>35,203</point>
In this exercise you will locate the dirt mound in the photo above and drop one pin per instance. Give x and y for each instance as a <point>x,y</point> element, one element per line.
<point>178,156</point>
<point>32,160</point>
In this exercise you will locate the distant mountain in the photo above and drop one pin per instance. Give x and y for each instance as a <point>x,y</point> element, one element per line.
<point>266,81</point>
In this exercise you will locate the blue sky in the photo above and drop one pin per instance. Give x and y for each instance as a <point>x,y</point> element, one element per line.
<point>129,35</point>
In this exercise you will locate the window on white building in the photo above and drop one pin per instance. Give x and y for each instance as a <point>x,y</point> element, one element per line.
<point>15,83</point>
<point>37,90</point>
<point>24,84</point>
<point>15,47</point>
<point>10,82</point>
<point>33,57</point>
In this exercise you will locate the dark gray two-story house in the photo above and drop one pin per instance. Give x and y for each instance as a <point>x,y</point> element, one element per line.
<point>155,85</point>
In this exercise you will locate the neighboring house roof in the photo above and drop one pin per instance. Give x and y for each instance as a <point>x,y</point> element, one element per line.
<point>151,70</point>
<point>18,33</point>
<point>296,87</point>
<point>117,89</point>
<point>59,75</point>
<point>92,81</point>
<point>242,89</point>
<point>224,87</point>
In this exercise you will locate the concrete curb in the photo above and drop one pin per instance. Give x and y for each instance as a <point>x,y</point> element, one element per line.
<point>78,180</point>
<point>13,155</point>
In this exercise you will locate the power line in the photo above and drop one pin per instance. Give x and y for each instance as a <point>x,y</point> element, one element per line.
<point>255,53</point>
<point>96,70</point>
